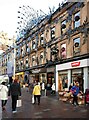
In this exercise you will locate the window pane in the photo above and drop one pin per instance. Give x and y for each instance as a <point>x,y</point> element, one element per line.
<point>77,22</point>
<point>76,46</point>
<point>63,51</point>
<point>53,33</point>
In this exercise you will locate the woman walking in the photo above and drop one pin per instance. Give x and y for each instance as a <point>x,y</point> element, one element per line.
<point>37,93</point>
<point>3,95</point>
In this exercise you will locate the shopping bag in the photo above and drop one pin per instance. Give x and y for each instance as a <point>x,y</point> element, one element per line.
<point>19,103</point>
<point>33,99</point>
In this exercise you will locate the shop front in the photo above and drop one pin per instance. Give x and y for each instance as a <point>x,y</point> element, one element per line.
<point>43,75</point>
<point>51,75</point>
<point>71,72</point>
<point>38,75</point>
<point>62,80</point>
<point>35,75</point>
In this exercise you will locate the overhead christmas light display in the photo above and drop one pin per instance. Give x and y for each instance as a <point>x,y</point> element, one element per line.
<point>28,18</point>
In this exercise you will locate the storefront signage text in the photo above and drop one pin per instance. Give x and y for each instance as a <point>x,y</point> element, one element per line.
<point>36,71</point>
<point>74,64</point>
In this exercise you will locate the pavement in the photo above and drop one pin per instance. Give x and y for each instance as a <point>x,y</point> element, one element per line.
<point>50,107</point>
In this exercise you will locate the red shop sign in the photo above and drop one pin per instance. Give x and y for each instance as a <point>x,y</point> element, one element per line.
<point>74,64</point>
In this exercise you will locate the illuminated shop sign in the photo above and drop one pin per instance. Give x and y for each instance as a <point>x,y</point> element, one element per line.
<point>74,64</point>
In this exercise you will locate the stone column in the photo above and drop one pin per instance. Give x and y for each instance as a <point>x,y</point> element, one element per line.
<point>86,78</point>
<point>69,78</point>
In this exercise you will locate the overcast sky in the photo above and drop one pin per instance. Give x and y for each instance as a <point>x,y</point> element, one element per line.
<point>9,8</point>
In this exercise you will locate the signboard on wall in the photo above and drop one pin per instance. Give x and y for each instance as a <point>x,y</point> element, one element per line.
<point>71,65</point>
<point>50,69</point>
<point>75,64</point>
<point>36,71</point>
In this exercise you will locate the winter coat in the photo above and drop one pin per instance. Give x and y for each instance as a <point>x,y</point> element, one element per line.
<point>3,92</point>
<point>36,90</point>
<point>15,89</point>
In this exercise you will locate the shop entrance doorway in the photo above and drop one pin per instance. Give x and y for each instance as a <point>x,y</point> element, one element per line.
<point>50,78</point>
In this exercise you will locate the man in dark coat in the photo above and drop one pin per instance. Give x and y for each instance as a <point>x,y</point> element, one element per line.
<point>15,92</point>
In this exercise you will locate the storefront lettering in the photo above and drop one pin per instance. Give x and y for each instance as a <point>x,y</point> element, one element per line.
<point>74,64</point>
<point>36,71</point>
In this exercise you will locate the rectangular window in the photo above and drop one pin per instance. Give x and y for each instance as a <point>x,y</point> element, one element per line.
<point>77,19</point>
<point>53,33</point>
<point>63,27</point>
<point>27,63</point>
<point>42,39</point>
<point>27,48</point>
<point>41,58</point>
<point>21,64</point>
<point>33,45</point>
<point>63,51</point>
<point>33,60</point>
<point>76,46</point>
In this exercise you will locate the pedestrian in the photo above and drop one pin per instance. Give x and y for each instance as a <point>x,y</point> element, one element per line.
<point>53,88</point>
<point>3,95</point>
<point>43,88</point>
<point>75,91</point>
<point>15,92</point>
<point>37,92</point>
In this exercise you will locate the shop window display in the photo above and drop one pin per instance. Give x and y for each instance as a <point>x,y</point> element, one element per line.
<point>63,82</point>
<point>64,93</point>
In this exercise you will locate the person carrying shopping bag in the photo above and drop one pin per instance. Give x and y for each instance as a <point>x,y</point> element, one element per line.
<point>15,92</point>
<point>3,95</point>
<point>37,93</point>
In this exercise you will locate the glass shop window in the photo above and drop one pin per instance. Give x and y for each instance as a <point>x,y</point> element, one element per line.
<point>63,81</point>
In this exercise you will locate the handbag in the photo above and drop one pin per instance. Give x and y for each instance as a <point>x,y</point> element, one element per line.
<point>33,99</point>
<point>19,103</point>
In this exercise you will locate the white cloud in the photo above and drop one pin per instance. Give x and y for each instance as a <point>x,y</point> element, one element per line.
<point>9,8</point>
